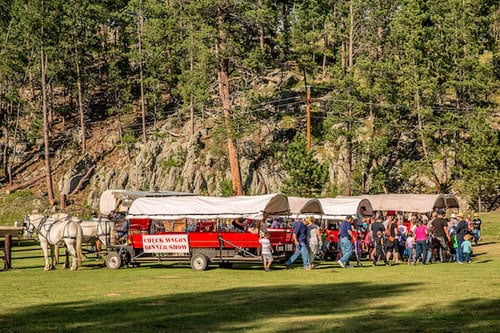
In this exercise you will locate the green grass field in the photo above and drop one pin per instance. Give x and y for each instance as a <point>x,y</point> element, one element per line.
<point>173,298</point>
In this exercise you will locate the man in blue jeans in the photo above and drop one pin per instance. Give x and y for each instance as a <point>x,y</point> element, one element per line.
<point>345,237</point>
<point>299,237</point>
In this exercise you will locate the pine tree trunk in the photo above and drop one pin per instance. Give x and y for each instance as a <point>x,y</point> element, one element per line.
<point>191,102</point>
<point>444,180</point>
<point>191,116</point>
<point>48,171</point>
<point>369,160</point>
<point>261,30</point>
<point>80,103</point>
<point>343,56</point>
<point>349,148</point>
<point>141,73</point>
<point>349,143</point>
<point>5,126</point>
<point>323,66</point>
<point>286,32</point>
<point>351,34</point>
<point>224,92</point>
<point>14,144</point>
<point>50,103</point>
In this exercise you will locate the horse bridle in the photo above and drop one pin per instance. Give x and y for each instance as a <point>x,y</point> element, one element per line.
<point>30,226</point>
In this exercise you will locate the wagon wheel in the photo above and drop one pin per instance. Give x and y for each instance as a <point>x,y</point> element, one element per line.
<point>199,262</point>
<point>113,260</point>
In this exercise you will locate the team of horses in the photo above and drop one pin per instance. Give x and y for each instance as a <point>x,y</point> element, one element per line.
<point>65,230</point>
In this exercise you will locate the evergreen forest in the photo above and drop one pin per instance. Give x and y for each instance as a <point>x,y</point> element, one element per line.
<point>340,97</point>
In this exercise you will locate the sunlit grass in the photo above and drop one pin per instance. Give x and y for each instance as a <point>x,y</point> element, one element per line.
<point>440,297</point>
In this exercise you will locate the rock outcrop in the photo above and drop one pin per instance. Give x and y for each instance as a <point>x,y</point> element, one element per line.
<point>187,164</point>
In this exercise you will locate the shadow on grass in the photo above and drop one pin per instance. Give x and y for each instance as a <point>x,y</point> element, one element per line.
<point>292,308</point>
<point>483,244</point>
<point>483,262</point>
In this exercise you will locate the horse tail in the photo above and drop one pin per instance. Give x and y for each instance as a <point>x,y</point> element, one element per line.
<point>79,239</point>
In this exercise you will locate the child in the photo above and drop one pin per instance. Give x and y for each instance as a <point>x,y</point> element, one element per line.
<point>358,247</point>
<point>454,247</point>
<point>467,248</point>
<point>368,245</point>
<point>379,249</point>
<point>410,244</point>
<point>267,251</point>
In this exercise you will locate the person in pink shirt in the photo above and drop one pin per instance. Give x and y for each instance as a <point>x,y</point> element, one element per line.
<point>421,242</point>
<point>368,245</point>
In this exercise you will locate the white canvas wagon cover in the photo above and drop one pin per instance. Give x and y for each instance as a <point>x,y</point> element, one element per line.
<point>304,206</point>
<point>204,207</point>
<point>339,208</point>
<point>120,200</point>
<point>418,203</point>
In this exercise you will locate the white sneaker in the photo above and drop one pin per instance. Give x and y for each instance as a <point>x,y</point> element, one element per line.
<point>341,264</point>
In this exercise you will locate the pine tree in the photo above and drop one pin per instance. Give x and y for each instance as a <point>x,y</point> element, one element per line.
<point>306,176</point>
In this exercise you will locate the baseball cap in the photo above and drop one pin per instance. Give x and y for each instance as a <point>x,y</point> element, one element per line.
<point>441,211</point>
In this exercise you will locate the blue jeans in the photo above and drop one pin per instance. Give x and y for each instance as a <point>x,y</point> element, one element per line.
<point>301,250</point>
<point>477,235</point>
<point>460,252</point>
<point>421,249</point>
<point>466,256</point>
<point>429,255</point>
<point>346,248</point>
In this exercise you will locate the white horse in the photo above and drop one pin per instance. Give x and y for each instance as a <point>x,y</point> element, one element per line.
<point>105,230</point>
<point>54,230</point>
<point>93,232</point>
<point>96,232</point>
<point>89,232</point>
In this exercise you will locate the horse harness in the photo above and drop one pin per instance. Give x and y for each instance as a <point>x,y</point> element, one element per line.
<point>47,227</point>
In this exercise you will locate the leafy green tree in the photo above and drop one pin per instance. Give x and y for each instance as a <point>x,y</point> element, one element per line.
<point>478,159</point>
<point>306,176</point>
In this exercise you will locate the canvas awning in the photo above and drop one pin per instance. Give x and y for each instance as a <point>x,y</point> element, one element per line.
<point>339,208</point>
<point>201,207</point>
<point>418,203</point>
<point>300,207</point>
<point>120,200</point>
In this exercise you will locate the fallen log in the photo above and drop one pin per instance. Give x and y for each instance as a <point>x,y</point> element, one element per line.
<point>83,180</point>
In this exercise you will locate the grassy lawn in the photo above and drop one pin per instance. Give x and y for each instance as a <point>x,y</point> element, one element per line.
<point>172,298</point>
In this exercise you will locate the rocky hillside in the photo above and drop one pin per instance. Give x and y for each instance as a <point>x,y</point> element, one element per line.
<point>172,160</point>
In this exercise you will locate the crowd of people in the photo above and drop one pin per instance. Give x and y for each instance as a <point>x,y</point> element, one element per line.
<point>392,238</point>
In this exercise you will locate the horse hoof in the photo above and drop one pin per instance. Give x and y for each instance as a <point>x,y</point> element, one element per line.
<point>46,269</point>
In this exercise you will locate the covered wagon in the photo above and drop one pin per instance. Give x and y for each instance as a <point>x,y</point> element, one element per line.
<point>200,230</point>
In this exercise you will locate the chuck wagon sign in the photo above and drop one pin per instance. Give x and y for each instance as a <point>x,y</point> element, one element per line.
<point>165,243</point>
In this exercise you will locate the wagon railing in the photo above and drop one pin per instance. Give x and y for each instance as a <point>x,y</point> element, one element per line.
<point>223,241</point>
